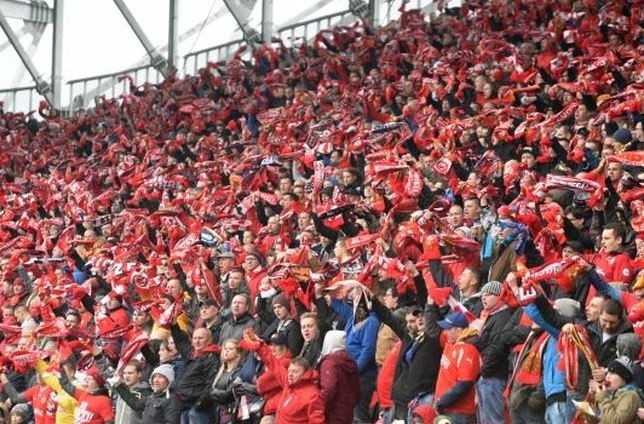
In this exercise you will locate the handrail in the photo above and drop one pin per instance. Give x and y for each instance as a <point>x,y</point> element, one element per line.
<point>111,74</point>
<point>219,46</point>
<point>312,21</point>
<point>12,98</point>
<point>9,90</point>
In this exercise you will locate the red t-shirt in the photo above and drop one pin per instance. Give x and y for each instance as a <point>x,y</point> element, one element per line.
<point>92,409</point>
<point>614,267</point>
<point>460,362</point>
<point>43,400</point>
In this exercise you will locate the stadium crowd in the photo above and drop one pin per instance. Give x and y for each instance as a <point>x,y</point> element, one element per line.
<point>438,220</point>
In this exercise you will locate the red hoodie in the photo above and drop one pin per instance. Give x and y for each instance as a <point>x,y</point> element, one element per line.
<point>301,403</point>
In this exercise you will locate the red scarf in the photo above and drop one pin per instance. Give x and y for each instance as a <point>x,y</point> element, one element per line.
<point>213,348</point>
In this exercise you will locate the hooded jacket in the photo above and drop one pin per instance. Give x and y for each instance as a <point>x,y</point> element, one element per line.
<point>301,403</point>
<point>268,384</point>
<point>339,379</point>
<point>620,406</point>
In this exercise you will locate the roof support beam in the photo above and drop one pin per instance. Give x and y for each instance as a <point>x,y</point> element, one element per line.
<point>57,55</point>
<point>173,33</point>
<point>241,14</point>
<point>156,59</point>
<point>267,20</point>
<point>42,86</point>
<point>36,12</point>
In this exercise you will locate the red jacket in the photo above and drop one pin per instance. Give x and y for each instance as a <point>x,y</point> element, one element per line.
<point>340,384</point>
<point>385,380</point>
<point>268,384</point>
<point>302,402</point>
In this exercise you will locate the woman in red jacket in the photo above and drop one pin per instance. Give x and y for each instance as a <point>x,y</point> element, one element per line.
<point>301,400</point>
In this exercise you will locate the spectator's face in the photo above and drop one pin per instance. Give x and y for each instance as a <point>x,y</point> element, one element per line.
<point>274,225</point>
<point>200,338</point>
<point>303,220</point>
<point>159,383</point>
<point>593,310</point>
<point>235,280</point>
<point>489,300</point>
<point>230,352</point>
<point>16,419</point>
<point>72,321</point>
<point>528,160</point>
<point>131,376</point>
<point>453,333</point>
<point>165,354</point>
<point>141,318</point>
<point>578,223</point>
<point>638,132</point>
<point>294,373</point>
<point>248,237</point>
<point>309,328</point>
<point>225,264</point>
<point>286,185</point>
<point>208,312</point>
<point>614,381</point>
<point>90,384</point>
<point>174,287</point>
<point>471,209</point>
<point>610,241</point>
<point>251,262</point>
<point>389,300</point>
<point>609,323</point>
<point>348,178</point>
<point>614,171</point>
<point>455,216</point>
<point>277,349</point>
<point>239,306</point>
<point>465,280</point>
<point>411,321</point>
<point>280,311</point>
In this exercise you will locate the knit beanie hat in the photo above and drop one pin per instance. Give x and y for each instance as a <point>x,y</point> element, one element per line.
<point>623,367</point>
<point>23,410</point>
<point>281,300</point>
<point>568,307</point>
<point>165,370</point>
<point>493,287</point>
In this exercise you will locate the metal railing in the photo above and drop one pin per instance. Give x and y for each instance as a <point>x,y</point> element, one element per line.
<point>194,61</point>
<point>306,30</point>
<point>20,99</point>
<point>82,91</point>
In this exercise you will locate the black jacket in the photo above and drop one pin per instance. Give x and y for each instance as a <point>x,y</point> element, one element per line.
<point>291,330</point>
<point>419,375</point>
<point>198,373</point>
<point>492,344</point>
<point>234,328</point>
<point>157,408</point>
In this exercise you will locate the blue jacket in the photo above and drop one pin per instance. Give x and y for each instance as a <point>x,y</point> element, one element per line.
<point>554,380</point>
<point>361,338</point>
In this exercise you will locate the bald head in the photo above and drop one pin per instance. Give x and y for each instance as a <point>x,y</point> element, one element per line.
<point>201,338</point>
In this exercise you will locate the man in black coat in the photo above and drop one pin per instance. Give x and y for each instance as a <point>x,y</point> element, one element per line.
<point>494,352</point>
<point>420,354</point>
<point>192,396</point>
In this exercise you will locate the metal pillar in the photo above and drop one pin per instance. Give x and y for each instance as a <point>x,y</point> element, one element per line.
<point>374,13</point>
<point>36,12</point>
<point>241,13</point>
<point>173,33</point>
<point>156,60</point>
<point>42,86</point>
<point>57,55</point>
<point>267,20</point>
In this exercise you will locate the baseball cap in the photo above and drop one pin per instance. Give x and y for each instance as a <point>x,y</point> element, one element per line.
<point>454,319</point>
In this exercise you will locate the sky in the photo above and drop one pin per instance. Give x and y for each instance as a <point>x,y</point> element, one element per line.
<point>97,39</point>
